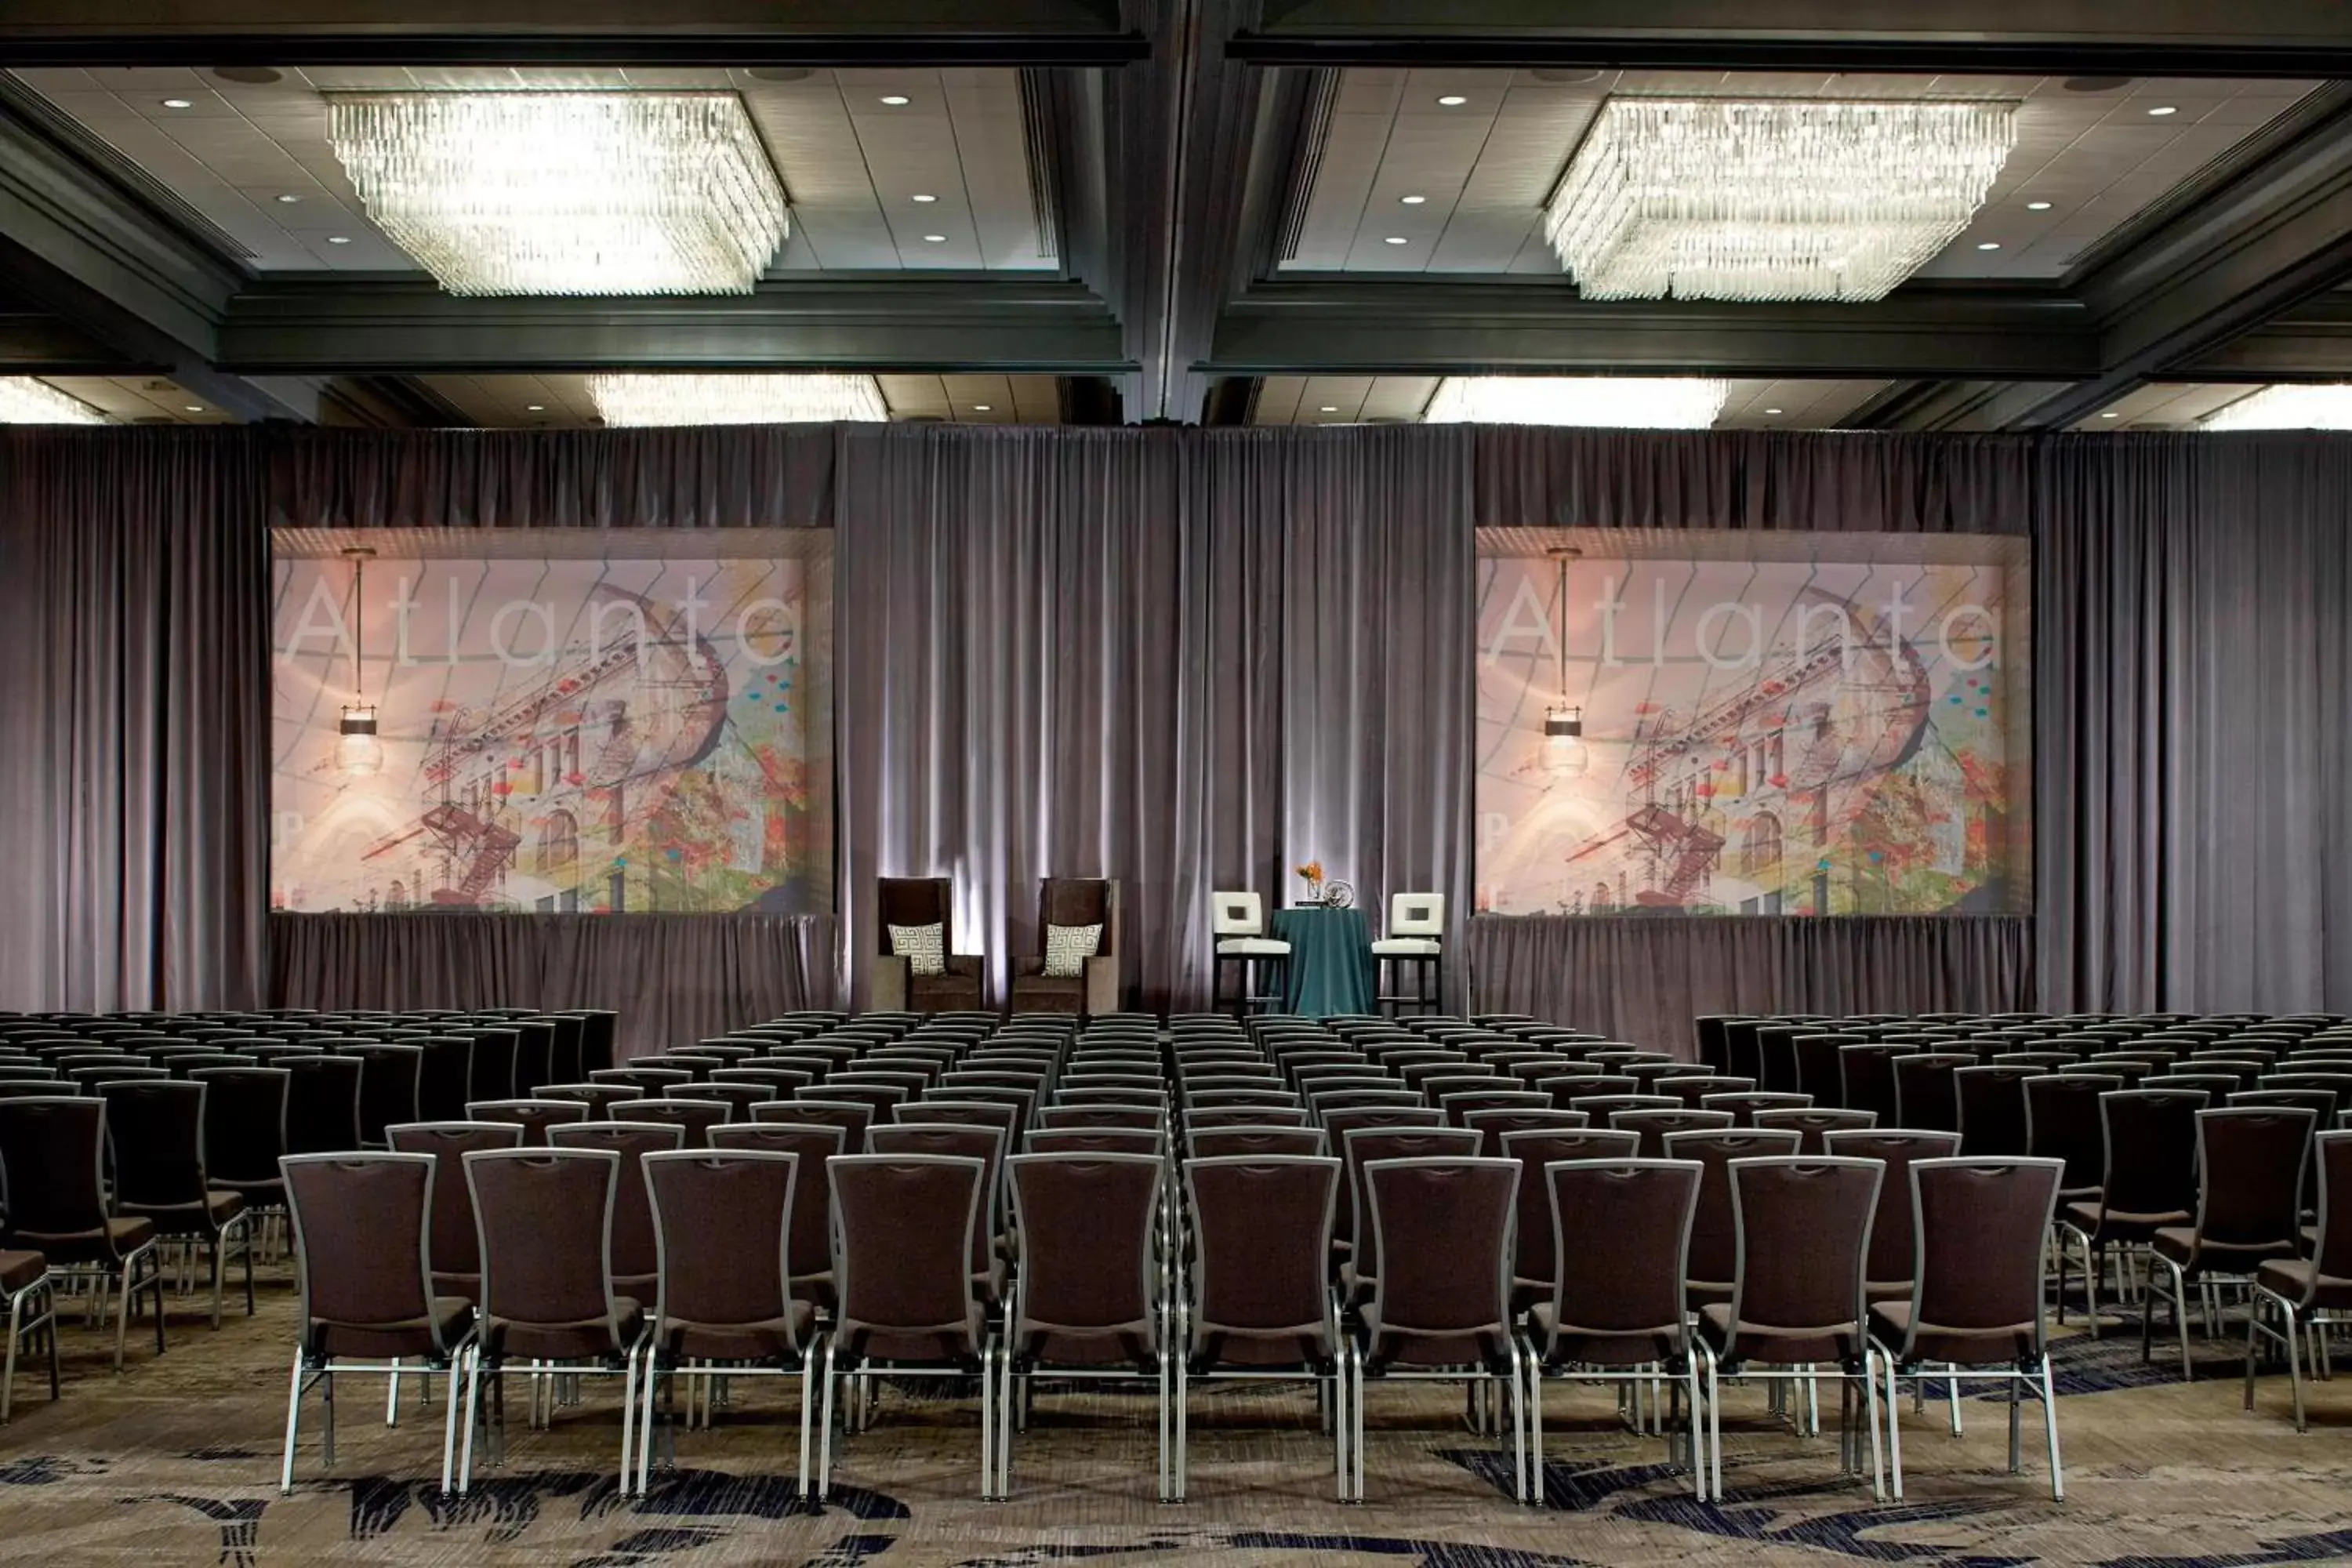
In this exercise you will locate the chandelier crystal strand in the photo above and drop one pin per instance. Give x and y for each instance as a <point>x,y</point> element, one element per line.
<point>629,399</point>
<point>25,401</point>
<point>2317,407</point>
<point>1628,403</point>
<point>566,193</point>
<point>1771,199</point>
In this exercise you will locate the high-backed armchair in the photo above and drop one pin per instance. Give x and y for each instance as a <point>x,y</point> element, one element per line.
<point>1072,902</point>
<point>915,903</point>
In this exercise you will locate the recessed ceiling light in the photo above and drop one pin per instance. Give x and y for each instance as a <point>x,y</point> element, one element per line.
<point>1989,245</point>
<point>2037,207</point>
<point>1771,411</point>
<point>1328,409</point>
<point>1396,239</point>
<point>895,100</point>
<point>338,239</point>
<point>1413,201</point>
<point>1453,100</point>
<point>2111,413</point>
<point>927,198</point>
<point>534,409</point>
<point>2162,110</point>
<point>194,407</point>
<point>982,407</point>
<point>935,239</point>
<point>288,198</point>
<point>177,103</point>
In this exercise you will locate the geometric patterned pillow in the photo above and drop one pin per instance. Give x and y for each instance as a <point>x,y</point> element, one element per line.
<point>923,947</point>
<point>1067,948</point>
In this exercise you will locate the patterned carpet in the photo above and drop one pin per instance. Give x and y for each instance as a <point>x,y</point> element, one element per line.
<point>176,1462</point>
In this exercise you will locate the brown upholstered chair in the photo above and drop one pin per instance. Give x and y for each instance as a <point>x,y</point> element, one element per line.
<point>1441,1304</point>
<point>52,1151</point>
<point>1992,1122</point>
<point>32,1312</point>
<point>1925,1096</point>
<point>1974,1311</point>
<point>2148,1180</point>
<point>2250,1166</point>
<point>155,1134</point>
<point>1888,1275</point>
<point>1091,1297</point>
<point>1812,1123</point>
<point>813,1144</point>
<point>1534,1149</point>
<point>1653,1126</point>
<point>693,1118</point>
<point>1712,1253</point>
<point>1615,1313</point>
<point>323,1104</point>
<point>363,1264</point>
<point>599,1097</point>
<point>546,1279</point>
<point>1259,1305</point>
<point>725,1301</point>
<point>2309,1294</point>
<point>988,1145</point>
<point>904,1230</point>
<point>1796,1301</point>
<point>922,901</point>
<point>1095,990</point>
<point>633,1254</point>
<point>534,1116</point>
<point>456,1245</point>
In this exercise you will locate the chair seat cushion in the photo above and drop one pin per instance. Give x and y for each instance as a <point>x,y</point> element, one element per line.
<point>783,1339</point>
<point>122,1236</point>
<point>586,1340</point>
<point>1407,947</point>
<point>1775,1345</point>
<point>2291,1277</point>
<point>2100,1223</point>
<point>19,1269</point>
<point>1299,1344</point>
<point>378,1342</point>
<point>1252,947</point>
<point>2179,1244</point>
<point>1573,1346</point>
<point>1890,1324</point>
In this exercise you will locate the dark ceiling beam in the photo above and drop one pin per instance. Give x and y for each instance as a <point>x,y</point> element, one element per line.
<point>2313,342</point>
<point>884,324</point>
<point>2055,38</point>
<point>682,33</point>
<point>1948,405</point>
<point>34,343</point>
<point>1431,329</point>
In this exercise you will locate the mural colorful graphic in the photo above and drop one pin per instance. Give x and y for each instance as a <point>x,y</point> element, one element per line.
<point>648,729</point>
<point>1836,725</point>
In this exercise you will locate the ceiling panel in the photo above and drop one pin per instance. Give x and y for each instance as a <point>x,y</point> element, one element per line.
<point>1348,399</point>
<point>140,399</point>
<point>563,401</point>
<point>1484,167</point>
<point>2166,406</point>
<point>852,164</point>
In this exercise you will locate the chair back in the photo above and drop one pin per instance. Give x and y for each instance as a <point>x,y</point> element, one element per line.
<point>1626,1224</point>
<point>323,1104</point>
<point>2249,1164</point>
<point>155,1130</point>
<point>2151,1150</point>
<point>362,1252</point>
<point>245,1124</point>
<point>1991,1102</point>
<point>1361,1144</point>
<point>1232,1142</point>
<point>637,1258</point>
<point>693,1119</point>
<point>1262,1231</point>
<point>545,1217</point>
<point>1653,1127</point>
<point>1493,1125</point>
<point>2331,1252</point>
<point>902,1247</point>
<point>1442,1229</point>
<point>850,1116</point>
<point>985,1144</point>
<point>1926,1095</point>
<point>1978,1226</point>
<point>1417,914</point>
<point>1712,1248</point>
<point>2063,1122</point>
<point>1236,914</point>
<point>722,1226</point>
<point>1890,1260</point>
<point>914,901</point>
<point>1803,1227</point>
<point>1867,1078</point>
<point>1534,1150</point>
<point>1087,1269</point>
<point>534,1116</point>
<point>1814,1123</point>
<point>815,1145</point>
<point>390,1079</point>
<point>52,1149</point>
<point>456,1246</point>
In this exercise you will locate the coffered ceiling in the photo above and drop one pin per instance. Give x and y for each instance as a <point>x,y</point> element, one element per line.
<point>1148,210</point>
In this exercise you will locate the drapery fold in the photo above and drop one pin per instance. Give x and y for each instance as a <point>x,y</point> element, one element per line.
<point>1644,978</point>
<point>674,979</point>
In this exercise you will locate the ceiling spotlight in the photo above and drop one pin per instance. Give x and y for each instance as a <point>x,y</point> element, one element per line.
<point>338,239</point>
<point>194,407</point>
<point>895,100</point>
<point>2111,413</point>
<point>1328,409</point>
<point>177,103</point>
<point>935,239</point>
<point>982,407</point>
<point>534,409</point>
<point>2037,207</point>
<point>1989,245</point>
<point>927,198</point>
<point>2162,110</point>
<point>1771,411</point>
<point>1396,239</point>
<point>288,198</point>
<point>1453,100</point>
<point>1413,201</point>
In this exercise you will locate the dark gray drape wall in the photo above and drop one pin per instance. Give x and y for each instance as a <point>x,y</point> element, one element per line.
<point>2194,640</point>
<point>1188,660</point>
<point>673,978</point>
<point>1645,979</point>
<point>135,702</point>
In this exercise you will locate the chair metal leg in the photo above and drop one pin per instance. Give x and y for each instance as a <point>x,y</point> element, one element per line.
<point>629,1410</point>
<point>2016,1410</point>
<point>1713,1419</point>
<point>15,1333</point>
<point>1894,1429</point>
<point>448,1416</point>
<point>472,1418</point>
<point>293,1423</point>
<point>1877,1466</point>
<point>2050,1423</point>
<point>824,1429</point>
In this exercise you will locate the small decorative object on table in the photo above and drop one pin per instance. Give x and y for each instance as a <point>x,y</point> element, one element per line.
<point>1321,894</point>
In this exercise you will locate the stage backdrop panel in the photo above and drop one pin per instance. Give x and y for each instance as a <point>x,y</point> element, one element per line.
<point>615,721</point>
<point>1773,723</point>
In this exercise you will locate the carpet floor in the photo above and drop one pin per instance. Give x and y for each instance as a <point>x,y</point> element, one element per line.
<point>175,1461</point>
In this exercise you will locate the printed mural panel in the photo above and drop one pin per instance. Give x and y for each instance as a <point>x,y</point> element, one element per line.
<point>1770,724</point>
<point>643,723</point>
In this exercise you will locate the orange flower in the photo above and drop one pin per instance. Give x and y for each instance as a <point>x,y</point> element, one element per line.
<point>1312,870</point>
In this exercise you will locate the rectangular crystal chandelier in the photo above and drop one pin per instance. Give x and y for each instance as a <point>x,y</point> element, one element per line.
<point>2286,408</point>
<point>25,401</point>
<point>1721,198</point>
<point>1631,403</point>
<point>566,193</point>
<point>631,399</point>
